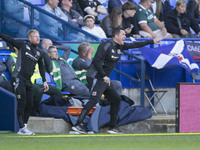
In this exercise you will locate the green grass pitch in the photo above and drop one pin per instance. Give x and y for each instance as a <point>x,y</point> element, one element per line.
<point>165,141</point>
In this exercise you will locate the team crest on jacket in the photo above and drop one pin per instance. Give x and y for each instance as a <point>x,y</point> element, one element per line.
<point>38,53</point>
<point>94,93</point>
<point>118,51</point>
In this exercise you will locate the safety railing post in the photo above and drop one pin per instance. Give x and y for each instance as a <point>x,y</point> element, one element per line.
<point>32,18</point>
<point>142,82</point>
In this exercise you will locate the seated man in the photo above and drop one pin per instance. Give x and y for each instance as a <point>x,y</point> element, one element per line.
<point>3,81</point>
<point>84,60</point>
<point>64,75</point>
<point>73,16</point>
<point>150,26</point>
<point>48,24</point>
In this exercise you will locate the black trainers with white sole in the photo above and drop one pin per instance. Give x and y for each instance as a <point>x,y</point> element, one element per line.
<point>79,128</point>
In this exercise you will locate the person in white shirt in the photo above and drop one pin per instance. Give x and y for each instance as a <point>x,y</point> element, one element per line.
<point>92,28</point>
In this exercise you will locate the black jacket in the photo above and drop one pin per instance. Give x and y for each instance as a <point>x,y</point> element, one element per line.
<point>107,55</point>
<point>186,22</point>
<point>193,10</point>
<point>128,22</point>
<point>28,56</point>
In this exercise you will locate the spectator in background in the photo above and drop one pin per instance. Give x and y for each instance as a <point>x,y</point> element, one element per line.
<point>92,28</point>
<point>129,22</point>
<point>112,21</point>
<point>178,22</point>
<point>73,16</point>
<point>92,7</point>
<point>161,8</point>
<point>119,3</point>
<point>3,81</point>
<point>16,9</point>
<point>150,26</point>
<point>76,7</point>
<point>193,9</point>
<point>50,25</point>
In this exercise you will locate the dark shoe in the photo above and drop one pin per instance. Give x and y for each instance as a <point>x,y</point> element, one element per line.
<point>35,113</point>
<point>115,130</point>
<point>79,128</point>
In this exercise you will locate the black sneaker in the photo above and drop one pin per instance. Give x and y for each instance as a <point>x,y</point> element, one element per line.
<point>79,128</point>
<point>115,130</point>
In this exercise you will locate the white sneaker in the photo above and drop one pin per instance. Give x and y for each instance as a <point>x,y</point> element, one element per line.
<point>115,130</point>
<point>25,131</point>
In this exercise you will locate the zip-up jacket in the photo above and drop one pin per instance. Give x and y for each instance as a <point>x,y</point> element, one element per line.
<point>107,55</point>
<point>29,54</point>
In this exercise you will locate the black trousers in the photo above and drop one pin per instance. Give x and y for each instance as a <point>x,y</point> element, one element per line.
<point>99,87</point>
<point>24,94</point>
<point>38,92</point>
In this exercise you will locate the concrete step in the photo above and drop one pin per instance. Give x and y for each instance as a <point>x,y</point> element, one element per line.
<point>156,124</point>
<point>48,125</point>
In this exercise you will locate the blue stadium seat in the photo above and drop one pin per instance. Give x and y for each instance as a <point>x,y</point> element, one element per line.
<point>4,54</point>
<point>3,45</point>
<point>49,79</point>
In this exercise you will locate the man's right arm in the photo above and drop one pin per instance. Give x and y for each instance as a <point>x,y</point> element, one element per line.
<point>10,40</point>
<point>99,57</point>
<point>66,49</point>
<point>80,64</point>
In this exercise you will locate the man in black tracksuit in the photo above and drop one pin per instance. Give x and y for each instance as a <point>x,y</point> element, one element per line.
<point>28,56</point>
<point>107,55</point>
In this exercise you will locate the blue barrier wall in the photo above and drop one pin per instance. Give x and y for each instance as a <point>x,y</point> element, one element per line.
<point>8,109</point>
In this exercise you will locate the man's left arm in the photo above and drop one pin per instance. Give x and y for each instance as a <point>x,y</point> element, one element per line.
<point>136,44</point>
<point>160,25</point>
<point>66,49</point>
<point>42,73</point>
<point>141,44</point>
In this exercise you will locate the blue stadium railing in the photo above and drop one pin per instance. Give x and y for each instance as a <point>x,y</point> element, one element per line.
<point>32,24</point>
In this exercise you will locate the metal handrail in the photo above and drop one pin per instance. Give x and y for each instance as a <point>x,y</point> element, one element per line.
<point>31,25</point>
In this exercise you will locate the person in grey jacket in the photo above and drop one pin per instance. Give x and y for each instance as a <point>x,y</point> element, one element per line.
<point>49,24</point>
<point>3,81</point>
<point>2,69</point>
<point>73,16</point>
<point>14,8</point>
<point>70,82</point>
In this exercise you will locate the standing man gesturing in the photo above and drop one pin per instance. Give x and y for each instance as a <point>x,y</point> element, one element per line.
<point>29,54</point>
<point>107,55</point>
